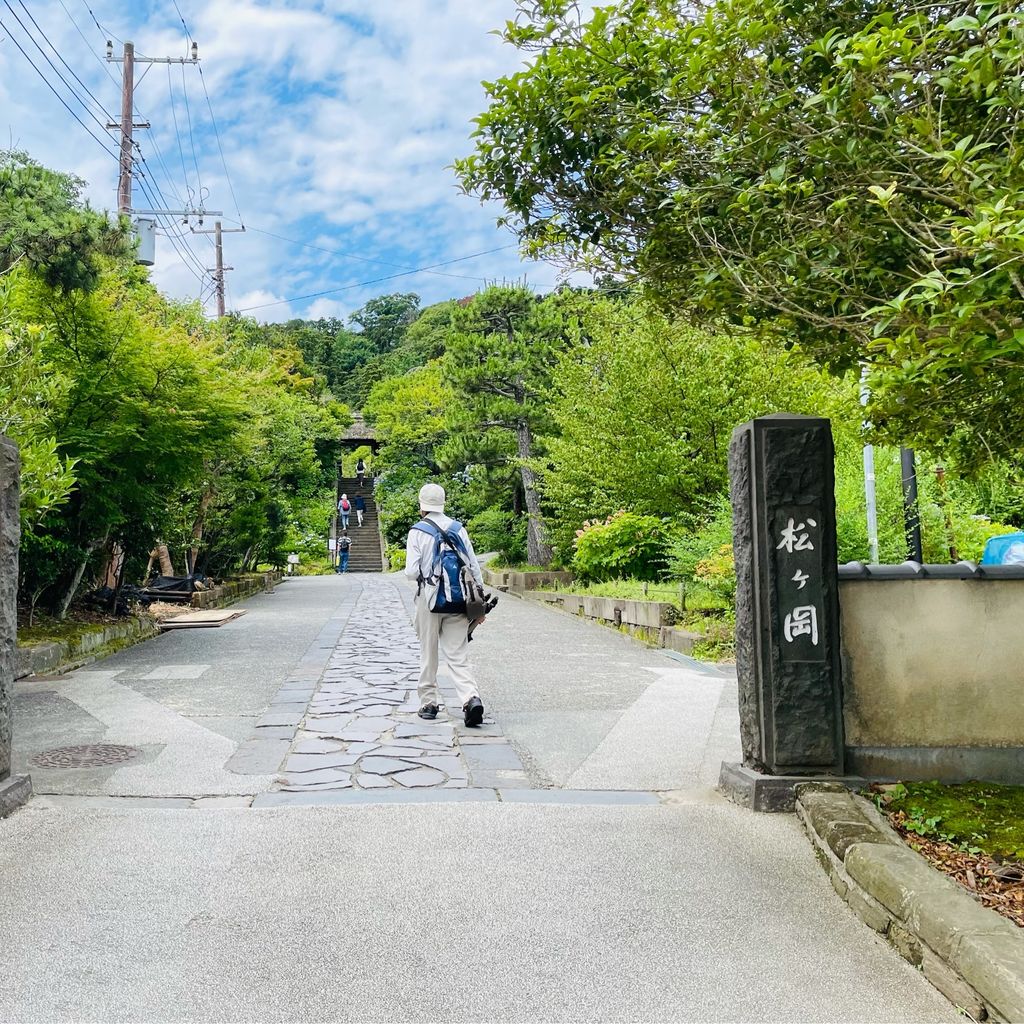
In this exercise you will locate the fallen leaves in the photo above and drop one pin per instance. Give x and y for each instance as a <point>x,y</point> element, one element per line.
<point>999,886</point>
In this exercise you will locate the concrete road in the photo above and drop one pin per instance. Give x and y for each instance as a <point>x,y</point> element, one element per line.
<point>519,905</point>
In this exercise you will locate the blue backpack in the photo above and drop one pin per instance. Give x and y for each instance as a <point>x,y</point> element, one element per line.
<point>445,567</point>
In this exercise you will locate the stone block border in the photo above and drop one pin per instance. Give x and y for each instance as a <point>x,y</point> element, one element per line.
<point>234,590</point>
<point>511,580</point>
<point>650,621</point>
<point>67,654</point>
<point>62,656</point>
<point>972,955</point>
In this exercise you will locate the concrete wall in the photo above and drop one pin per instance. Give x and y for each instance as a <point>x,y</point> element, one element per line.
<point>933,677</point>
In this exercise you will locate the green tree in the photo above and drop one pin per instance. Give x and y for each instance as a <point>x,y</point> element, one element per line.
<point>645,408</point>
<point>385,319</point>
<point>498,362</point>
<point>28,387</point>
<point>143,400</point>
<point>45,224</point>
<point>852,171</point>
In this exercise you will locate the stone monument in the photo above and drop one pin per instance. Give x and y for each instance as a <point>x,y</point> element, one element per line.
<point>14,790</point>
<point>781,472</point>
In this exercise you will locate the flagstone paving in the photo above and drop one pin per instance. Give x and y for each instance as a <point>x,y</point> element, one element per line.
<point>360,729</point>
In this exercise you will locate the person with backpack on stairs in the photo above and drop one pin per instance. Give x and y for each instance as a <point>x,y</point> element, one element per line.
<point>438,552</point>
<point>344,545</point>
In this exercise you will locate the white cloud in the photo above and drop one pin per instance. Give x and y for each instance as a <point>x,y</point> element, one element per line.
<point>266,305</point>
<point>339,121</point>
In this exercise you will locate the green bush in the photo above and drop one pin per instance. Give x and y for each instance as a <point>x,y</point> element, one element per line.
<point>396,557</point>
<point>702,541</point>
<point>623,545</point>
<point>717,573</point>
<point>494,529</point>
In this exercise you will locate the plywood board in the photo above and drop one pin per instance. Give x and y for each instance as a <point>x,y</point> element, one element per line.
<point>203,620</point>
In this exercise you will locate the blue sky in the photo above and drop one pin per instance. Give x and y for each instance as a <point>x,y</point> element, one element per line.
<point>338,121</point>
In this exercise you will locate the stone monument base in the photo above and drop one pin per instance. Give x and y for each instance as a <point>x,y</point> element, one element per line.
<point>14,792</point>
<point>771,793</point>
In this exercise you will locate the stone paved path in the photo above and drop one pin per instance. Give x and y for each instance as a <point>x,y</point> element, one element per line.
<point>361,731</point>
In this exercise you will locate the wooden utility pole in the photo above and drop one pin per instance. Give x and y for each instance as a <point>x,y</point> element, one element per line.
<point>219,269</point>
<point>218,236</point>
<point>124,181</point>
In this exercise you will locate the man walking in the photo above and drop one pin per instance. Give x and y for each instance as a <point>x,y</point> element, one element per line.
<point>344,510</point>
<point>360,505</point>
<point>445,630</point>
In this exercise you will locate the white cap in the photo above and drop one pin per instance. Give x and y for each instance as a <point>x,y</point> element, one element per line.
<point>344,497</point>
<point>431,498</point>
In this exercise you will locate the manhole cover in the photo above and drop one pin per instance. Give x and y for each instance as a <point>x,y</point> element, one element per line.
<point>92,755</point>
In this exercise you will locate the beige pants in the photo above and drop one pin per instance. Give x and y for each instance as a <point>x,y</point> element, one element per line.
<point>449,632</point>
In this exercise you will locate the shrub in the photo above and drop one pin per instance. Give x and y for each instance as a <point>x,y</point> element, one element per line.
<point>494,529</point>
<point>621,546</point>
<point>717,573</point>
<point>702,541</point>
<point>396,557</point>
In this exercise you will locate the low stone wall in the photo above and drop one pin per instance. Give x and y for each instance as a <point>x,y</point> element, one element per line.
<point>62,655</point>
<point>231,591</point>
<point>649,620</point>
<point>972,955</point>
<point>520,582</point>
<point>931,675</point>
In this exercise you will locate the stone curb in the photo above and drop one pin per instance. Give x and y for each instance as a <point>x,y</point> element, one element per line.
<point>62,656</point>
<point>58,657</point>
<point>972,955</point>
<point>15,792</point>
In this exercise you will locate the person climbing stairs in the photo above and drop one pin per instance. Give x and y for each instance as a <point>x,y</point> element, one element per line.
<point>367,551</point>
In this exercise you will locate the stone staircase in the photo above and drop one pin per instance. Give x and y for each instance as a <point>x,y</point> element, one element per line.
<point>366,553</point>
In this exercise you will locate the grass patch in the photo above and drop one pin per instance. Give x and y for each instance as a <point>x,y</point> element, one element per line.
<point>497,563</point>
<point>983,817</point>
<point>719,643</point>
<point>46,630</point>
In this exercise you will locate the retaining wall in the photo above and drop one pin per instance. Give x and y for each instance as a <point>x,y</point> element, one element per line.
<point>509,579</point>
<point>234,590</point>
<point>60,656</point>
<point>65,654</point>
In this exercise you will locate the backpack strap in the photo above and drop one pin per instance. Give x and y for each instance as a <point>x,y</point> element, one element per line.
<point>449,536</point>
<point>431,530</point>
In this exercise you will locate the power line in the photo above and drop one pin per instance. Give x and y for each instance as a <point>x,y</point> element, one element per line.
<point>49,86</point>
<point>213,119</point>
<point>177,239</point>
<point>376,280</point>
<point>354,256</point>
<point>74,75</point>
<point>191,137</point>
<point>67,85</point>
<point>216,131</point>
<point>177,131</point>
<point>106,70</point>
<point>103,31</point>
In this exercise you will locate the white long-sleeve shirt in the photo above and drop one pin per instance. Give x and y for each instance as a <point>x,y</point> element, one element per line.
<point>419,550</point>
